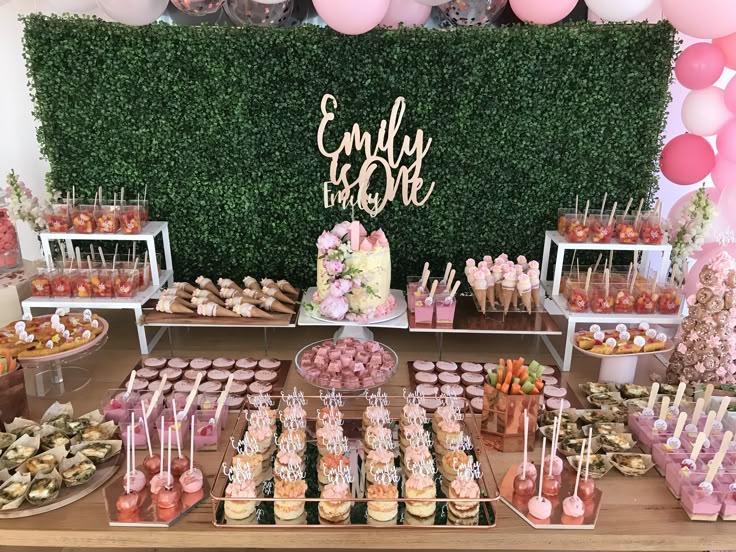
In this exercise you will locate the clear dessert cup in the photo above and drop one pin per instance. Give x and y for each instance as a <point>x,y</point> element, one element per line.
<point>61,283</point>
<point>670,299</point>
<point>417,298</point>
<point>182,426</point>
<point>424,311</point>
<point>651,231</point>
<point>126,282</point>
<point>58,218</point>
<point>599,230</point>
<point>144,211</point>
<point>130,219</point>
<point>600,302</point>
<point>103,282</point>
<point>207,401</point>
<point>106,218</point>
<point>577,300</point>
<point>82,283</point>
<point>155,414</point>
<point>627,229</point>
<point>206,430</point>
<point>115,405</point>
<point>728,510</point>
<point>83,219</point>
<point>41,283</point>
<point>445,309</point>
<point>702,503</point>
<point>646,301</point>
<point>663,452</point>
<point>623,299</point>
<point>577,230</point>
<point>139,431</point>
<point>564,216</point>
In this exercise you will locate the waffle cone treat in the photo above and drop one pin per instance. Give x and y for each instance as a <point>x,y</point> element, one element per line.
<point>213,309</point>
<point>206,283</point>
<point>228,284</point>
<point>169,305</point>
<point>277,294</point>
<point>480,290</point>
<point>524,288</point>
<point>227,293</point>
<point>274,305</point>
<point>246,310</point>
<point>185,286</point>
<point>287,288</point>
<point>207,294</point>
<point>251,283</point>
<point>241,300</point>
<point>177,292</point>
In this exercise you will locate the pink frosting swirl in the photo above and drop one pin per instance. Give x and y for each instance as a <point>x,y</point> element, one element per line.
<point>415,455</point>
<point>419,482</point>
<point>241,489</point>
<point>464,488</point>
<point>380,456</point>
<point>260,433</point>
<point>329,433</point>
<point>334,491</point>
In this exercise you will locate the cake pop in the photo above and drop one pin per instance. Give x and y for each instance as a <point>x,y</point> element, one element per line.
<point>573,506</point>
<point>159,480</point>
<point>133,478</point>
<point>127,502</point>
<point>169,496</point>
<point>586,489</point>
<point>191,480</point>
<point>538,506</point>
<point>553,463</point>
<point>152,462</point>
<point>523,485</point>
<point>180,464</point>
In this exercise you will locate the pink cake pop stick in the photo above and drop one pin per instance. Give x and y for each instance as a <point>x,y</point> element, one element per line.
<point>145,425</point>
<point>526,441</point>
<point>191,447</point>
<point>161,469</point>
<point>127,461</point>
<point>176,430</point>
<point>580,465</point>
<point>587,458</point>
<point>544,448</point>
<point>168,474</point>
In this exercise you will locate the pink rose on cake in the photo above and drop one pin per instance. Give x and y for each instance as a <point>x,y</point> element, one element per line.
<point>334,268</point>
<point>334,307</point>
<point>340,287</point>
<point>327,241</point>
<point>341,230</point>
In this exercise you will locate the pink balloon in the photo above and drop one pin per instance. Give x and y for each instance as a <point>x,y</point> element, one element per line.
<point>701,18</point>
<point>726,141</point>
<point>724,173</point>
<point>727,45</point>
<point>406,12</point>
<point>352,16</point>
<point>687,159</point>
<point>704,257</point>
<point>700,65</point>
<point>724,224</point>
<point>729,95</point>
<point>544,13</point>
<point>673,217</point>
<point>134,12</point>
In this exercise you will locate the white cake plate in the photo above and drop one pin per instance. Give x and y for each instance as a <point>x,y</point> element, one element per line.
<point>620,368</point>
<point>396,319</point>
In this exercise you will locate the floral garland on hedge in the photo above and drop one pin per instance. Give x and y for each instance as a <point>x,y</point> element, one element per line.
<point>334,249</point>
<point>690,234</point>
<point>23,205</point>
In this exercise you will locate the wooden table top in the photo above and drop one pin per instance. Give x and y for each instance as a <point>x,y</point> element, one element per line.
<point>637,513</point>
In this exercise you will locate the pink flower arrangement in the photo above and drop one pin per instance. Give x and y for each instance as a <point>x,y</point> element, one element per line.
<point>327,241</point>
<point>334,307</point>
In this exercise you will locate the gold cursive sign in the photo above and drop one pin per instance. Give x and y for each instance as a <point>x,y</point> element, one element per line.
<point>382,156</point>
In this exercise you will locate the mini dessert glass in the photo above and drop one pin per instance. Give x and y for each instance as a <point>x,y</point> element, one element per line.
<point>623,301</point>
<point>83,219</point>
<point>103,282</point>
<point>417,298</point>
<point>577,232</point>
<point>126,283</point>
<point>144,211</point>
<point>206,431</point>
<point>61,282</point>
<point>115,405</point>
<point>59,218</point>
<point>41,283</point>
<point>139,430</point>
<point>670,299</point>
<point>564,216</point>
<point>130,219</point>
<point>106,218</point>
<point>646,301</point>
<point>82,283</point>
<point>599,229</point>
<point>181,425</point>
<point>599,301</point>
<point>651,231</point>
<point>445,309</point>
<point>577,300</point>
<point>424,311</point>
<point>627,229</point>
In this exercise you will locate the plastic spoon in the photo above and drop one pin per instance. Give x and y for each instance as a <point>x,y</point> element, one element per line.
<point>157,395</point>
<point>190,398</point>
<point>675,408</point>
<point>221,399</point>
<point>649,410</point>
<point>129,387</point>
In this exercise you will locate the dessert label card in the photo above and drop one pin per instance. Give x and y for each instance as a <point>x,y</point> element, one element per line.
<point>401,169</point>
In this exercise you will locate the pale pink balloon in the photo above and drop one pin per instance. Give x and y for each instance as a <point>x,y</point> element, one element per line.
<point>724,173</point>
<point>700,65</point>
<point>701,18</point>
<point>687,159</point>
<point>704,257</point>
<point>704,112</point>
<point>134,12</point>
<point>544,13</point>
<point>675,212</point>
<point>725,221</point>
<point>352,16</point>
<point>729,95</point>
<point>406,12</point>
<point>726,141</point>
<point>727,45</point>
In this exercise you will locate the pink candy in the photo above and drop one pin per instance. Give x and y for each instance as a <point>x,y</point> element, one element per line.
<point>347,364</point>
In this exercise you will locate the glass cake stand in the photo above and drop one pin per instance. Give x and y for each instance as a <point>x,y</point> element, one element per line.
<point>54,376</point>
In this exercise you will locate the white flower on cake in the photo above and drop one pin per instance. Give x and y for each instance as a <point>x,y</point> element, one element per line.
<point>353,274</point>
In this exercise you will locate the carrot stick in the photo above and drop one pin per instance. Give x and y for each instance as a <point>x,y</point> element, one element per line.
<point>523,374</point>
<point>509,375</point>
<point>534,391</point>
<point>505,388</point>
<point>510,366</point>
<point>516,389</point>
<point>539,384</point>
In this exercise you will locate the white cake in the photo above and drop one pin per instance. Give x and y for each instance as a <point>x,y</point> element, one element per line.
<point>353,284</point>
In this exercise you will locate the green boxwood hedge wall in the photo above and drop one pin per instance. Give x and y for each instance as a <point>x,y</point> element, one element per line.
<point>221,124</point>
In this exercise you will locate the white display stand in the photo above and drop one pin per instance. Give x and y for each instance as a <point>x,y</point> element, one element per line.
<point>557,305</point>
<point>618,369</point>
<point>148,234</point>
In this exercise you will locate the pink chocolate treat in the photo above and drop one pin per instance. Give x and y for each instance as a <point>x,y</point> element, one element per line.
<point>191,375</point>
<point>244,375</point>
<point>147,374</point>
<point>448,377</point>
<point>246,363</point>
<point>172,374</point>
<point>215,374</point>
<point>470,378</point>
<point>452,390</point>
<point>477,404</point>
<point>266,376</point>
<point>474,392</point>
<point>238,388</point>
<point>259,388</point>
<point>178,363</point>
<point>223,363</point>
<point>428,390</point>
<point>269,363</point>
<point>423,366</point>
<point>154,362</point>
<point>444,366</point>
<point>154,385</point>
<point>471,367</point>
<point>139,384</point>
<point>425,377</point>
<point>234,402</point>
<point>183,386</point>
<point>210,387</point>
<point>200,363</point>
<point>430,404</point>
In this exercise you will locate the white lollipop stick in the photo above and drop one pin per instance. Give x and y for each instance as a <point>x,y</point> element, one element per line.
<point>526,440</point>
<point>157,395</point>
<point>129,387</point>
<point>162,438</point>
<point>127,462</point>
<point>168,474</point>
<point>192,394</point>
<point>587,458</point>
<point>191,447</point>
<point>176,429</point>
<point>145,425</point>
<point>544,447</point>
<point>223,396</point>
<point>580,465</point>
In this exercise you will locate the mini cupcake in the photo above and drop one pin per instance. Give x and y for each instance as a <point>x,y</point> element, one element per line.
<point>408,433</point>
<point>327,434</point>
<point>467,511</point>
<point>271,414</point>
<point>415,455</point>
<point>284,460</point>
<point>443,412</point>
<point>223,363</point>
<point>289,495</point>
<point>254,461</point>
<point>375,415</point>
<point>422,487</point>
<point>412,414</point>
<point>377,437</point>
<point>450,462</point>
<point>448,433</point>
<point>379,459</point>
<point>329,462</point>
<point>330,415</point>
<point>240,509</point>
<point>334,506</point>
<point>263,437</point>
<point>383,505</point>
<point>296,438</point>
<point>294,413</point>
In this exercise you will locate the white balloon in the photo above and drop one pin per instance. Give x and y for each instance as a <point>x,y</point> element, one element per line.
<point>73,6</point>
<point>704,111</point>
<point>134,12</point>
<point>618,10</point>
